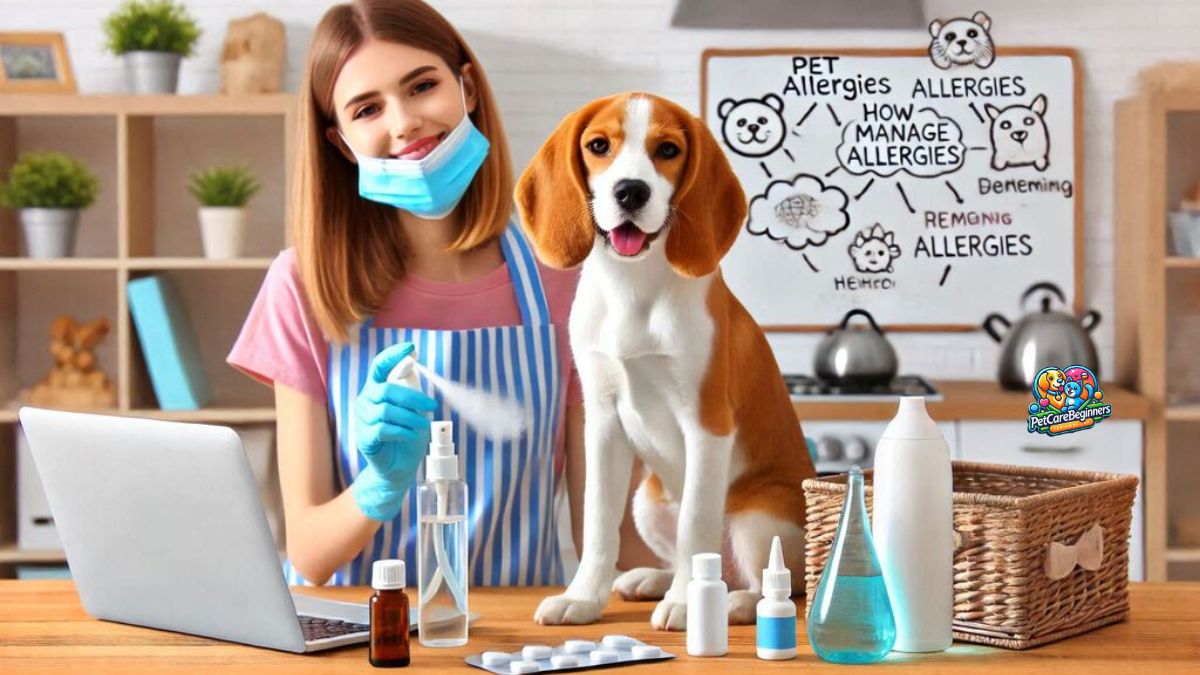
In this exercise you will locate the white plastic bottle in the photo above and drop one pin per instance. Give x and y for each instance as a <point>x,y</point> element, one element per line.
<point>707,608</point>
<point>913,527</point>
<point>775,630</point>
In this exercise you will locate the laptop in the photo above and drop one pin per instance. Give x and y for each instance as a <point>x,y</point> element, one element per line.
<point>162,527</point>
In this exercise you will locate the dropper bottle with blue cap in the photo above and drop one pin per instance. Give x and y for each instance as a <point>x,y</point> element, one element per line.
<point>775,635</point>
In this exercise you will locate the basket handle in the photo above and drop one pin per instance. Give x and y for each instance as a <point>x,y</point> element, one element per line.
<point>1087,552</point>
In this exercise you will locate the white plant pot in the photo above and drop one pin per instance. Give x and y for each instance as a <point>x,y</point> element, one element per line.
<point>223,229</point>
<point>50,233</point>
<point>152,72</point>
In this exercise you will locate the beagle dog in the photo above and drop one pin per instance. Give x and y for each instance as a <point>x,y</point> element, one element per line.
<point>674,370</point>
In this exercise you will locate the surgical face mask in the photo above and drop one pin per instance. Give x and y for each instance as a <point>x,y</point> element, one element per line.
<point>432,186</point>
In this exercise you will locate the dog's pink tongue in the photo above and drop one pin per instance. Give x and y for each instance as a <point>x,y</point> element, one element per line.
<point>628,239</point>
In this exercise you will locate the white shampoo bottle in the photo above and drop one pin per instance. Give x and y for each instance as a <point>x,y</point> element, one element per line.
<point>707,608</point>
<point>913,527</point>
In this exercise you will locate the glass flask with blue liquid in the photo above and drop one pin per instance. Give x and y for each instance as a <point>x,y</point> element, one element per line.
<point>851,620</point>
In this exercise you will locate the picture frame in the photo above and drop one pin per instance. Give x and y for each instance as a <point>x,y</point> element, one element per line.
<point>35,63</point>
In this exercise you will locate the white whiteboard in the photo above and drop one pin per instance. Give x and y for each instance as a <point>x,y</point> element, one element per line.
<point>878,181</point>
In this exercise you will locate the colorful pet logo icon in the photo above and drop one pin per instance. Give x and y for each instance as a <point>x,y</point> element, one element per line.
<point>1065,400</point>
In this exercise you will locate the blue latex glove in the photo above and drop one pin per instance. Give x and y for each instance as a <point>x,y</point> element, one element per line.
<point>391,431</point>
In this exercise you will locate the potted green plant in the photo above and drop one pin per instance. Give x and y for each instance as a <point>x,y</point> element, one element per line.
<point>223,192</point>
<point>49,188</point>
<point>152,36</point>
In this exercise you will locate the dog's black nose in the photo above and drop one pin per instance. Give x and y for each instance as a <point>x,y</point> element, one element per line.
<point>753,128</point>
<point>1020,136</point>
<point>632,194</point>
<point>962,43</point>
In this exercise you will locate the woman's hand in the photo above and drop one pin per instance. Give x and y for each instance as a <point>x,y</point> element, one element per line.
<point>391,431</point>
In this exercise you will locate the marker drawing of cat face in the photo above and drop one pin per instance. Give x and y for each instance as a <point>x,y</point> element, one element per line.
<point>1019,136</point>
<point>961,42</point>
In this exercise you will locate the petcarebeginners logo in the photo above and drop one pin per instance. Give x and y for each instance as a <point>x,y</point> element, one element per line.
<point>1066,400</point>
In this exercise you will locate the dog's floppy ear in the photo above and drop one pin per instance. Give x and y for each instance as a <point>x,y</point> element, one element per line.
<point>982,19</point>
<point>552,195</point>
<point>708,207</point>
<point>935,27</point>
<point>1044,381</point>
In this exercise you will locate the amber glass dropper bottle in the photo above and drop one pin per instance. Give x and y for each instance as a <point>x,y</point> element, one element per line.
<point>389,615</point>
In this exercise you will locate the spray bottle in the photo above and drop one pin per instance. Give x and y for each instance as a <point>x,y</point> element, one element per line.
<point>405,373</point>
<point>775,637</point>
<point>442,545</point>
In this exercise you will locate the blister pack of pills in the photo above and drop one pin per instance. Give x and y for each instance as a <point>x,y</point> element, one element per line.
<point>611,650</point>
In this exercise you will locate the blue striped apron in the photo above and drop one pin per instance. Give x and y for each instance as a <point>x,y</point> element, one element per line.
<point>516,507</point>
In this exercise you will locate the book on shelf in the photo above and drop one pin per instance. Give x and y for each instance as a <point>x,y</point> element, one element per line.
<point>169,344</point>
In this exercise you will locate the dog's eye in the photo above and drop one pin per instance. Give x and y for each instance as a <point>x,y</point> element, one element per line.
<point>667,150</point>
<point>972,33</point>
<point>1006,124</point>
<point>1028,121</point>
<point>762,120</point>
<point>741,123</point>
<point>598,146</point>
<point>950,36</point>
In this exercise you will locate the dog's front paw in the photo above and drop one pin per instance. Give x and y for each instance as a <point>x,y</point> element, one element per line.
<point>557,610</point>
<point>743,607</point>
<point>643,583</point>
<point>669,615</point>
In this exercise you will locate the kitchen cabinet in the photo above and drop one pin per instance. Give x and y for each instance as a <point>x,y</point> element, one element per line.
<point>1113,446</point>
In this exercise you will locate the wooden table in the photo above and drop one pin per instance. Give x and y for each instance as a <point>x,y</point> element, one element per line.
<point>44,629</point>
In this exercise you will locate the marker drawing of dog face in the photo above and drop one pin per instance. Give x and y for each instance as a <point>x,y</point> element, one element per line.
<point>753,127</point>
<point>1019,136</point>
<point>961,42</point>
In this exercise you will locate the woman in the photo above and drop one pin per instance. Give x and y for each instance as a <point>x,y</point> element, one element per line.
<point>403,243</point>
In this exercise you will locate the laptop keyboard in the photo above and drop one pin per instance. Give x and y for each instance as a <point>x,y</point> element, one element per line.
<point>318,628</point>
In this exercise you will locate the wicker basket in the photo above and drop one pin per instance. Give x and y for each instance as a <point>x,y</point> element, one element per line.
<point>1006,519</point>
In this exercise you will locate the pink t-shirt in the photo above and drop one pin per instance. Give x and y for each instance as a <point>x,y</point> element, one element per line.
<point>281,341</point>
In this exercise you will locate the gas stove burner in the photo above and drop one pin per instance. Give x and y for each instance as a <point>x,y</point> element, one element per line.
<point>808,388</point>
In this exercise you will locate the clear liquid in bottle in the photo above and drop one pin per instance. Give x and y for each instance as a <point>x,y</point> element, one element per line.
<point>851,617</point>
<point>442,564</point>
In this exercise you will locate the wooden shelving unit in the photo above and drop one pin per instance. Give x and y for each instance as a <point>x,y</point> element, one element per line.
<point>1158,308</point>
<point>144,222</point>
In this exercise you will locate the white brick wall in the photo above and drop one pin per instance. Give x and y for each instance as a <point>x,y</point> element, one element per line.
<point>546,57</point>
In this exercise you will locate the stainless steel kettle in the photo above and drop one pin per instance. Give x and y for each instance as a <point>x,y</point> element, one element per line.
<point>855,356</point>
<point>1042,339</point>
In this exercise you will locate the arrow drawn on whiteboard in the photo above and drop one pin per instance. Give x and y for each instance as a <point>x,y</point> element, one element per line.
<point>905,196</point>
<point>806,114</point>
<point>976,111</point>
<point>811,266</point>
<point>864,190</point>
<point>945,273</point>
<point>834,115</point>
<point>955,192</point>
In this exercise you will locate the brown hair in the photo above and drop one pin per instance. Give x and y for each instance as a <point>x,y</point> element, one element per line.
<point>350,251</point>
